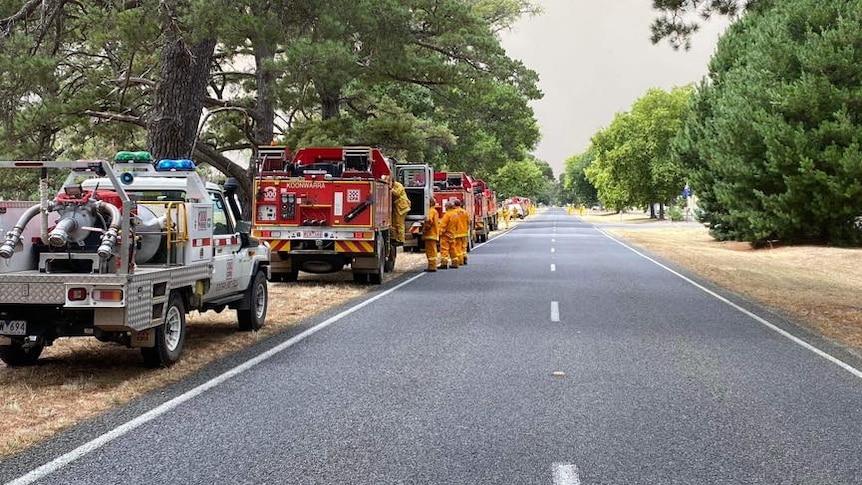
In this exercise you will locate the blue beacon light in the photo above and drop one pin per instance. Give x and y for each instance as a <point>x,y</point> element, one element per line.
<point>175,166</point>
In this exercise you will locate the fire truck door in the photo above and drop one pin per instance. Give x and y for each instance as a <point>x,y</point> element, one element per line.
<point>226,243</point>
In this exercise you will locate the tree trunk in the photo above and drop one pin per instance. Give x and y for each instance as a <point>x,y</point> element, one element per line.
<point>652,210</point>
<point>178,99</point>
<point>264,111</point>
<point>213,158</point>
<point>330,104</point>
<point>661,211</point>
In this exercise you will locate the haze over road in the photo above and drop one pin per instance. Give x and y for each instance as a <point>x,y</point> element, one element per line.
<point>556,356</point>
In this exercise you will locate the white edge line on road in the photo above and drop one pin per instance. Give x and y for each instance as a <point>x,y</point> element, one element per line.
<point>566,474</point>
<point>840,363</point>
<point>555,311</point>
<point>163,408</point>
<point>553,267</point>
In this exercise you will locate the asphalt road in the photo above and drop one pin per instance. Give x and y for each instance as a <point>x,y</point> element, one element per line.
<point>556,356</point>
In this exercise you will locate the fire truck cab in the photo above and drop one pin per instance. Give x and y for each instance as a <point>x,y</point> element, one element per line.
<point>456,185</point>
<point>418,182</point>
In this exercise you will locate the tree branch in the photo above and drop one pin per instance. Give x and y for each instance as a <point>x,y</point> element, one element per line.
<point>26,10</point>
<point>108,116</point>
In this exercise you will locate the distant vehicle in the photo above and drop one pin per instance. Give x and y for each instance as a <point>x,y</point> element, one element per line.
<point>485,208</point>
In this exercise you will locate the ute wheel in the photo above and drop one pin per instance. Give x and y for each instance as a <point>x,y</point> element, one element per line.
<point>170,335</point>
<point>16,355</point>
<point>252,319</point>
<point>389,265</point>
<point>376,278</point>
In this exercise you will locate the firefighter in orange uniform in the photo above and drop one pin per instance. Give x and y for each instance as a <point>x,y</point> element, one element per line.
<point>462,232</point>
<point>448,226</point>
<point>400,208</point>
<point>431,236</point>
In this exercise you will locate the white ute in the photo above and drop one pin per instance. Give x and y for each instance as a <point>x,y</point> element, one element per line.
<point>122,253</point>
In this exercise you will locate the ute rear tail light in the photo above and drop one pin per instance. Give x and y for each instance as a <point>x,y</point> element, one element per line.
<point>108,295</point>
<point>77,294</point>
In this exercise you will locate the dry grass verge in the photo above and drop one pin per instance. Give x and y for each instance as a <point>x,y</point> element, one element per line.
<point>819,286</point>
<point>79,378</point>
<point>596,217</point>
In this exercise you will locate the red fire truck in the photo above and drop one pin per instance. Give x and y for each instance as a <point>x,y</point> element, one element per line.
<point>323,209</point>
<point>456,185</point>
<point>486,211</point>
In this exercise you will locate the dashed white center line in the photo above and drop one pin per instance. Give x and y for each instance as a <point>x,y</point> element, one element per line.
<point>553,267</point>
<point>553,250</point>
<point>566,474</point>
<point>553,240</point>
<point>555,311</point>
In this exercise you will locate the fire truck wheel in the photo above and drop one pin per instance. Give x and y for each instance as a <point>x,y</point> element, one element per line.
<point>389,265</point>
<point>288,277</point>
<point>170,335</point>
<point>252,319</point>
<point>16,355</point>
<point>376,278</point>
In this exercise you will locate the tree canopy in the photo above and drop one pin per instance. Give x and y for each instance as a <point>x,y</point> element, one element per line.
<point>773,139</point>
<point>633,165</point>
<point>529,177</point>
<point>423,79</point>
<point>576,188</point>
<point>678,19</point>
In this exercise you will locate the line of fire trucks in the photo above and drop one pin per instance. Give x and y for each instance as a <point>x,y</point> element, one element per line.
<point>322,209</point>
<point>126,249</point>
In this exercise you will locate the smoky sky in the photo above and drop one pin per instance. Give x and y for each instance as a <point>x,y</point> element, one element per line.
<point>594,58</point>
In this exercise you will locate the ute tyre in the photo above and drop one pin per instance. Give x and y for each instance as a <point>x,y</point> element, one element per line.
<point>16,355</point>
<point>170,335</point>
<point>376,278</point>
<point>253,318</point>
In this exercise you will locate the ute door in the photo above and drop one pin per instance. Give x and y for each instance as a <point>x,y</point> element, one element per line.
<point>227,267</point>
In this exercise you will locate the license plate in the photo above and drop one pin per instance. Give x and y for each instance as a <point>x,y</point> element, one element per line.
<point>312,234</point>
<point>13,327</point>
